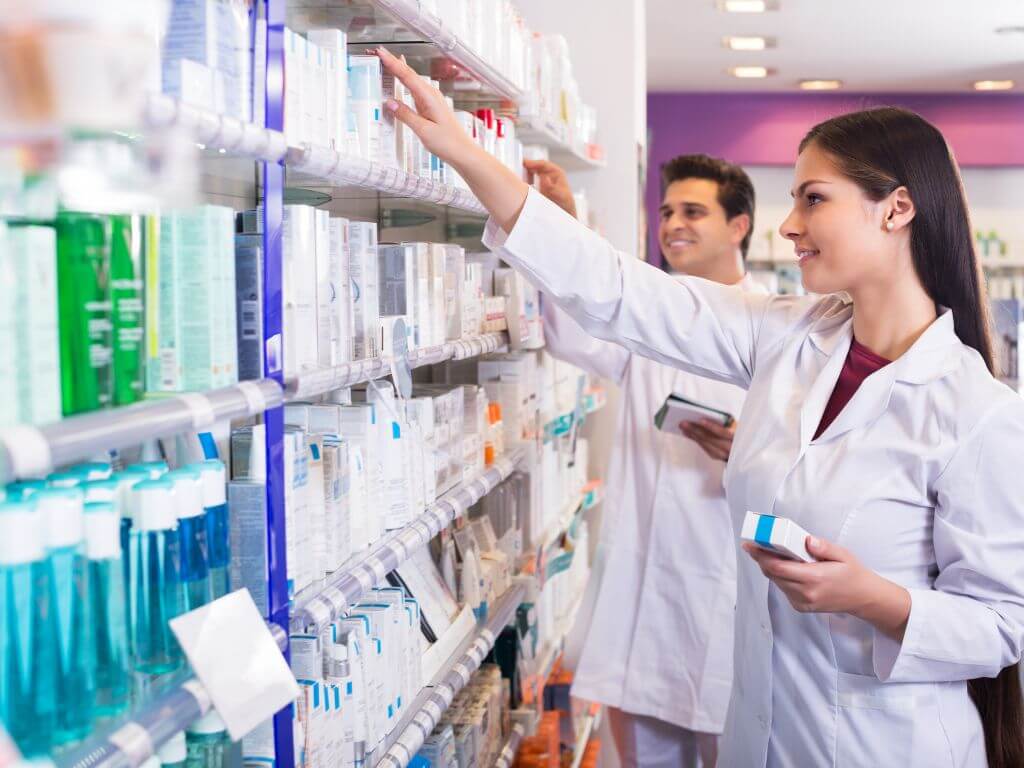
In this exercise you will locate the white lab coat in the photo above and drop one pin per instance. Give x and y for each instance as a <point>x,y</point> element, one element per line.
<point>670,573</point>
<point>919,476</point>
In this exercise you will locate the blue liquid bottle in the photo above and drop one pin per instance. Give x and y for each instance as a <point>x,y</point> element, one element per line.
<point>173,752</point>
<point>218,534</point>
<point>28,700</point>
<point>155,588</point>
<point>107,603</point>
<point>70,618</point>
<point>195,558</point>
<point>208,742</point>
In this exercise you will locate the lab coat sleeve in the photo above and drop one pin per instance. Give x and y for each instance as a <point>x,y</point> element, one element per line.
<point>565,340</point>
<point>700,326</point>
<point>971,623</point>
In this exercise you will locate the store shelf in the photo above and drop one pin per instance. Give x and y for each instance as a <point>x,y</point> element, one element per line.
<point>317,606</point>
<point>322,380</point>
<point>128,743</point>
<point>593,401</point>
<point>536,129</point>
<point>1002,262</point>
<point>30,451</point>
<point>432,29</point>
<point>325,165</point>
<point>214,131</point>
<point>565,519</point>
<point>426,710</point>
<point>507,756</point>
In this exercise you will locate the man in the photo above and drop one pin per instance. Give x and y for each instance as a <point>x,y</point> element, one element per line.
<point>658,653</point>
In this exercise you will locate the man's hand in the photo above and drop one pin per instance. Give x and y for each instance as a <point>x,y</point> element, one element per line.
<point>713,438</point>
<point>553,184</point>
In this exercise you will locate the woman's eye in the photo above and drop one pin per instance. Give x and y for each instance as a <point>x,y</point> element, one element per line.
<point>813,199</point>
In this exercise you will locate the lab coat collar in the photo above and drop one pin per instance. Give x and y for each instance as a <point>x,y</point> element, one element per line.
<point>936,353</point>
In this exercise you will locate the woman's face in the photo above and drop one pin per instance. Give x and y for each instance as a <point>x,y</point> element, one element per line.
<point>839,234</point>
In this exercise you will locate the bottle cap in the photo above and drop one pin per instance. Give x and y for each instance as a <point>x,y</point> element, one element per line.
<point>152,503</point>
<point>102,531</point>
<point>23,489</point>
<point>214,482</point>
<point>62,515</point>
<point>154,469</point>
<point>188,492</point>
<point>174,750</point>
<point>22,531</point>
<point>93,470</point>
<point>209,723</point>
<point>126,479</point>
<point>101,490</point>
<point>67,479</point>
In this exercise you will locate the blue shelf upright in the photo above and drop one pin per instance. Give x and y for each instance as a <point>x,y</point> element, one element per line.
<point>273,346</point>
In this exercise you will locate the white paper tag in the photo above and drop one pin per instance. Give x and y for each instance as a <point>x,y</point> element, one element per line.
<point>199,693</point>
<point>364,577</point>
<point>237,660</point>
<point>488,637</point>
<point>433,710</point>
<point>134,742</point>
<point>379,569</point>
<point>253,395</point>
<point>199,406</point>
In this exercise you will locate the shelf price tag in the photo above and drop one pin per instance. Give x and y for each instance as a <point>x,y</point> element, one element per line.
<point>237,660</point>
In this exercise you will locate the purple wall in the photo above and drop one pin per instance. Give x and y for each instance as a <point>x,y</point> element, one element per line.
<point>985,130</point>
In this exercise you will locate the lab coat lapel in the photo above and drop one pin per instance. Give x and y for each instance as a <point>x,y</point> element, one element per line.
<point>832,341</point>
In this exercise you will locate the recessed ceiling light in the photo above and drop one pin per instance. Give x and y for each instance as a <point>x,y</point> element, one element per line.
<point>993,85</point>
<point>737,43</point>
<point>750,72</point>
<point>821,85</point>
<point>747,6</point>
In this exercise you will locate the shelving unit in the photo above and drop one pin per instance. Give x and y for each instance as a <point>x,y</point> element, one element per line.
<point>321,604</point>
<point>427,708</point>
<point>536,129</point>
<point>583,738</point>
<point>507,755</point>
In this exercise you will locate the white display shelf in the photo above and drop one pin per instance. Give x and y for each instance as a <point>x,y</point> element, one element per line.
<point>583,738</point>
<point>565,518</point>
<point>538,129</point>
<point>433,30</point>
<point>339,169</point>
<point>319,381</point>
<point>129,742</point>
<point>34,451</point>
<point>507,756</point>
<point>214,131</point>
<point>320,604</point>
<point>426,710</point>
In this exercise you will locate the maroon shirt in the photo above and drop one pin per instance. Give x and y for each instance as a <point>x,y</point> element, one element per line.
<point>860,363</point>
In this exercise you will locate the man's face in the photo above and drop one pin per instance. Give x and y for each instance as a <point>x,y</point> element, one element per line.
<point>693,230</point>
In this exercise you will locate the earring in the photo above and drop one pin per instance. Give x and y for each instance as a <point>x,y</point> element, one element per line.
<point>890,225</point>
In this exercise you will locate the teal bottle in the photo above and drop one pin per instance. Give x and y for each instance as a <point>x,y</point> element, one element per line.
<point>208,743</point>
<point>28,651</point>
<point>155,588</point>
<point>107,603</point>
<point>154,468</point>
<point>70,619</point>
<point>218,533</point>
<point>107,490</point>
<point>69,479</point>
<point>174,752</point>
<point>195,558</point>
<point>24,489</point>
<point>126,479</point>
<point>94,470</point>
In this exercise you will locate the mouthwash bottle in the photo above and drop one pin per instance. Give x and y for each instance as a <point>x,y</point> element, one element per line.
<point>24,489</point>
<point>208,742</point>
<point>195,559</point>
<point>107,604</point>
<point>218,534</point>
<point>86,327</point>
<point>174,752</point>
<point>155,589</point>
<point>28,651</point>
<point>126,287</point>
<point>70,617</point>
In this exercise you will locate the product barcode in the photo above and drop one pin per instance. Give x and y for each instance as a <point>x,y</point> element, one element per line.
<point>250,320</point>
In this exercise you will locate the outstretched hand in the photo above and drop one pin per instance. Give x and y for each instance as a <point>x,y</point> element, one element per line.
<point>554,184</point>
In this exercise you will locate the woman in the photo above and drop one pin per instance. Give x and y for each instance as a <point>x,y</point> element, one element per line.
<point>872,420</point>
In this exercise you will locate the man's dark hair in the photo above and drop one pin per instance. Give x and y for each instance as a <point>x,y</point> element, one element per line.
<point>735,190</point>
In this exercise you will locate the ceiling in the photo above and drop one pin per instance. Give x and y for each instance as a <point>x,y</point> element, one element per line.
<point>872,45</point>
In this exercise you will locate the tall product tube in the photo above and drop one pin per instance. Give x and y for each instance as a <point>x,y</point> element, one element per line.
<point>126,289</point>
<point>218,532</point>
<point>195,558</point>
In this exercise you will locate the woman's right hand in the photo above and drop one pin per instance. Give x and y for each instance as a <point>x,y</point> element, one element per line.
<point>433,121</point>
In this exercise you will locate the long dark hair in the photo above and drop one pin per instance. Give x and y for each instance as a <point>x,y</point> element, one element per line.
<point>884,149</point>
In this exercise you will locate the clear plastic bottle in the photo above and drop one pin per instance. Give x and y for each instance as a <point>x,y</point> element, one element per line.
<point>70,618</point>
<point>27,645</point>
<point>208,742</point>
<point>107,603</point>
<point>195,557</point>
<point>218,533</point>
<point>155,587</point>
<point>174,752</point>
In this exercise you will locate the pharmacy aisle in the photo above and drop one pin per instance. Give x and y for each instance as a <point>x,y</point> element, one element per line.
<point>288,476</point>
